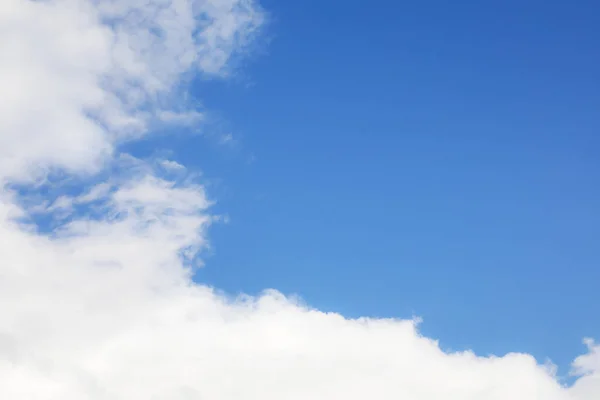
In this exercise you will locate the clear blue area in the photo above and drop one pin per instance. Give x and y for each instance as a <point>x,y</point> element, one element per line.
<point>427,158</point>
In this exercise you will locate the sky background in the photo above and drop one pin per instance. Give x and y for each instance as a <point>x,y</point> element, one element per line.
<point>426,158</point>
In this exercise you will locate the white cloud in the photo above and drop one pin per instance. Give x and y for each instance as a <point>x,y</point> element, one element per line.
<point>78,76</point>
<point>171,165</point>
<point>96,192</point>
<point>103,307</point>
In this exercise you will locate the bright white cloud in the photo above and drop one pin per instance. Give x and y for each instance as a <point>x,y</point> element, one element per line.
<point>103,307</point>
<point>94,72</point>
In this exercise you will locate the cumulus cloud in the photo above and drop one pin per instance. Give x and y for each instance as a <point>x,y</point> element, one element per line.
<point>94,73</point>
<point>102,305</point>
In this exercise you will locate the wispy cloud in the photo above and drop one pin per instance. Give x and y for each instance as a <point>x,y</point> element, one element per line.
<point>104,306</point>
<point>171,165</point>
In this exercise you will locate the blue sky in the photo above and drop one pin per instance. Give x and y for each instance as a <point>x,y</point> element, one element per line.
<point>426,158</point>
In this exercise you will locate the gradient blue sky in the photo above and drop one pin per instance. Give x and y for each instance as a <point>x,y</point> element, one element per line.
<point>415,158</point>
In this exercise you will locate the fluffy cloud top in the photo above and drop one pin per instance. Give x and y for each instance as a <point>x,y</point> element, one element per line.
<point>80,76</point>
<point>103,306</point>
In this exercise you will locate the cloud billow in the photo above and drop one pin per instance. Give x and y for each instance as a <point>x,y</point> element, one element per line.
<point>104,307</point>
